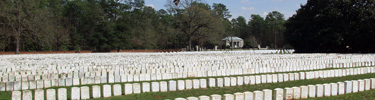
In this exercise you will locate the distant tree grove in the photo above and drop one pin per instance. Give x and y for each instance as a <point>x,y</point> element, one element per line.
<point>103,25</point>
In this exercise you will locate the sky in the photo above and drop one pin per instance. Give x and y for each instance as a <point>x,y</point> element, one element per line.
<point>247,7</point>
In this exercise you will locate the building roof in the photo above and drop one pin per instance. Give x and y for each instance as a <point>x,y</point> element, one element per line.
<point>233,38</point>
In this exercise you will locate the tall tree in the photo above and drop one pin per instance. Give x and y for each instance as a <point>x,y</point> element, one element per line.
<point>29,23</point>
<point>221,10</point>
<point>195,17</point>
<point>241,27</point>
<point>257,28</point>
<point>333,26</point>
<point>275,22</point>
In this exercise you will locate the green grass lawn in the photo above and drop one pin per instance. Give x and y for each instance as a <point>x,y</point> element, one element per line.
<point>231,90</point>
<point>365,95</point>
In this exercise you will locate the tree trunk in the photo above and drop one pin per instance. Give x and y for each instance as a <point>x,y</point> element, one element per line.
<point>190,45</point>
<point>18,30</point>
<point>17,45</point>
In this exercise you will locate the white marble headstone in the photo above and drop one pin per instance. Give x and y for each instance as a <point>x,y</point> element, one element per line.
<point>258,79</point>
<point>96,93</point>
<point>334,89</point>
<point>61,94</point>
<point>296,93</point>
<point>269,78</point>
<point>136,88</point>
<point>233,81</point>
<point>188,84</point>
<point>341,88</point>
<point>258,95</point>
<point>75,93</point>
<point>107,91</point>
<point>248,96</point>
<point>372,83</point>
<point>117,90</point>
<point>240,80</point>
<point>274,78</point>
<point>286,77</point>
<point>76,81</point>
<point>27,95</point>
<point>355,86</point>
<point>367,84</point>
<point>348,87</point>
<point>319,90</point>
<point>145,87</point>
<point>312,91</point>
<point>196,83</point>
<point>327,89</point>
<point>227,81</point>
<point>252,80</point>
<point>155,86</point>
<point>17,85</point>
<point>163,86</point>
<point>246,80</point>
<point>85,92</point>
<point>304,92</point>
<point>204,98</point>
<point>267,94</point>
<point>215,97</point>
<point>181,84</point>
<point>16,95</point>
<point>203,83</point>
<point>280,78</point>
<point>68,82</point>
<point>211,82</point>
<point>238,96</point>
<point>279,94</point>
<point>172,85</point>
<point>288,93</point>
<point>228,97</point>
<point>2,86</point>
<point>361,85</point>
<point>220,82</point>
<point>263,78</point>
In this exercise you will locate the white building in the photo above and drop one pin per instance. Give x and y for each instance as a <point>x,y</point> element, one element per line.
<point>233,42</point>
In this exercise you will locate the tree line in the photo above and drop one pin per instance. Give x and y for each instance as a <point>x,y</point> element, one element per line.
<point>102,25</point>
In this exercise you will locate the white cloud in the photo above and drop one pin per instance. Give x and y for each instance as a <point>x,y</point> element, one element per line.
<point>151,5</point>
<point>244,1</point>
<point>265,14</point>
<point>248,8</point>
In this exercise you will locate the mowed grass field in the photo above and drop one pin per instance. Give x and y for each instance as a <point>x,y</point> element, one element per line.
<point>230,90</point>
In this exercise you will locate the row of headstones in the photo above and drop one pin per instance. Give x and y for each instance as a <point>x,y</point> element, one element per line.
<point>23,85</point>
<point>96,91</point>
<point>162,86</point>
<point>66,58</point>
<point>181,69</point>
<point>148,77</point>
<point>168,70</point>
<point>118,71</point>
<point>161,76</point>
<point>79,68</point>
<point>200,69</point>
<point>255,79</point>
<point>296,93</point>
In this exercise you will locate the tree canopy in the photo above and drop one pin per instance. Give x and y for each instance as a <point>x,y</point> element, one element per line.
<point>333,26</point>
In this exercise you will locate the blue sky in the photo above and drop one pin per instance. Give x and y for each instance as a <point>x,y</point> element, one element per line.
<point>247,7</point>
